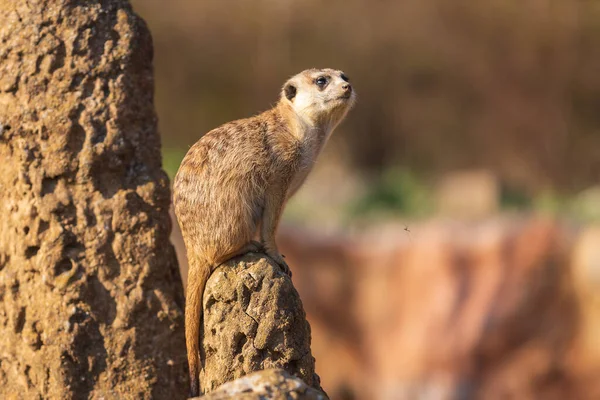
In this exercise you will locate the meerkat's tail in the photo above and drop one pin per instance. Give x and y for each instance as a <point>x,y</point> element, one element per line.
<point>197,276</point>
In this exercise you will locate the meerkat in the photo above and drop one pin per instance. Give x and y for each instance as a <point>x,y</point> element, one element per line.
<point>234,182</point>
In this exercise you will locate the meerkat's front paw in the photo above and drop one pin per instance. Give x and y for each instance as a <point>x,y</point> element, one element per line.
<point>278,258</point>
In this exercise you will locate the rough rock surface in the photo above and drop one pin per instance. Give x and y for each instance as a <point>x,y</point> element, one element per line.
<point>253,320</point>
<point>90,295</point>
<point>271,384</point>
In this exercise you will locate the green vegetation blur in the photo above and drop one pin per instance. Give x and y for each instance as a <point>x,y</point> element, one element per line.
<point>511,87</point>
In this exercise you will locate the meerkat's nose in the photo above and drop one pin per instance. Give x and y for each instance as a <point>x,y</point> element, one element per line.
<point>347,87</point>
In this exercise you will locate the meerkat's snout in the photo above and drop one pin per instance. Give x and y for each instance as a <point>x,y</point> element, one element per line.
<point>348,95</point>
<point>347,88</point>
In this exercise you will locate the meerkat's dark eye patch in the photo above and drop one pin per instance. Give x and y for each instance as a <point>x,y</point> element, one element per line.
<point>321,81</point>
<point>345,78</point>
<point>290,91</point>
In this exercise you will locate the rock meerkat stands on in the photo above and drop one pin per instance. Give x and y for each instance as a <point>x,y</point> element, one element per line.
<point>252,320</point>
<point>233,184</point>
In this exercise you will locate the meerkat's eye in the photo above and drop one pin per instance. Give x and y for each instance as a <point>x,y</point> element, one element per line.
<point>321,81</point>
<point>345,78</point>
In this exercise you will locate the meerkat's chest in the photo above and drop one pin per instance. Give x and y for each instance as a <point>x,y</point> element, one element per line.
<point>307,156</point>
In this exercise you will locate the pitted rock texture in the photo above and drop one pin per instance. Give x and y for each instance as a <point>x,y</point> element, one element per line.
<point>253,320</point>
<point>90,294</point>
<point>271,384</point>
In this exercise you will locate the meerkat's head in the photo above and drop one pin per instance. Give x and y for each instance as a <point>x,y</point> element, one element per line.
<point>320,97</point>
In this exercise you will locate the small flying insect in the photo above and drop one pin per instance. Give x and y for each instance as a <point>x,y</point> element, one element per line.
<point>408,231</point>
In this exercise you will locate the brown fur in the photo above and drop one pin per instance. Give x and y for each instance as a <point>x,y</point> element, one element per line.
<point>234,183</point>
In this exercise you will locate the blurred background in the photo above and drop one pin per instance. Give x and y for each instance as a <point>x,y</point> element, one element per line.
<point>447,244</point>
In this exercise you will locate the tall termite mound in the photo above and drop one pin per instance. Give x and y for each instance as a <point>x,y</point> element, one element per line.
<point>90,294</point>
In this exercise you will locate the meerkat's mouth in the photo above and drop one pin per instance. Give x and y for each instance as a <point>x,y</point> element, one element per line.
<point>343,97</point>
<point>347,99</point>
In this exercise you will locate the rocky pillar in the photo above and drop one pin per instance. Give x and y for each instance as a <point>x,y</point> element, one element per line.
<point>254,320</point>
<point>90,295</point>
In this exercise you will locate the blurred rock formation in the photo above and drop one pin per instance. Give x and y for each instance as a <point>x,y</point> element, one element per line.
<point>504,308</point>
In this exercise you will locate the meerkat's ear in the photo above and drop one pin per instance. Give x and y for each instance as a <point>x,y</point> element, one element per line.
<point>290,91</point>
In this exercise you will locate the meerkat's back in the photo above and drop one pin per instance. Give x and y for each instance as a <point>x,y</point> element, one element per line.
<point>217,189</point>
